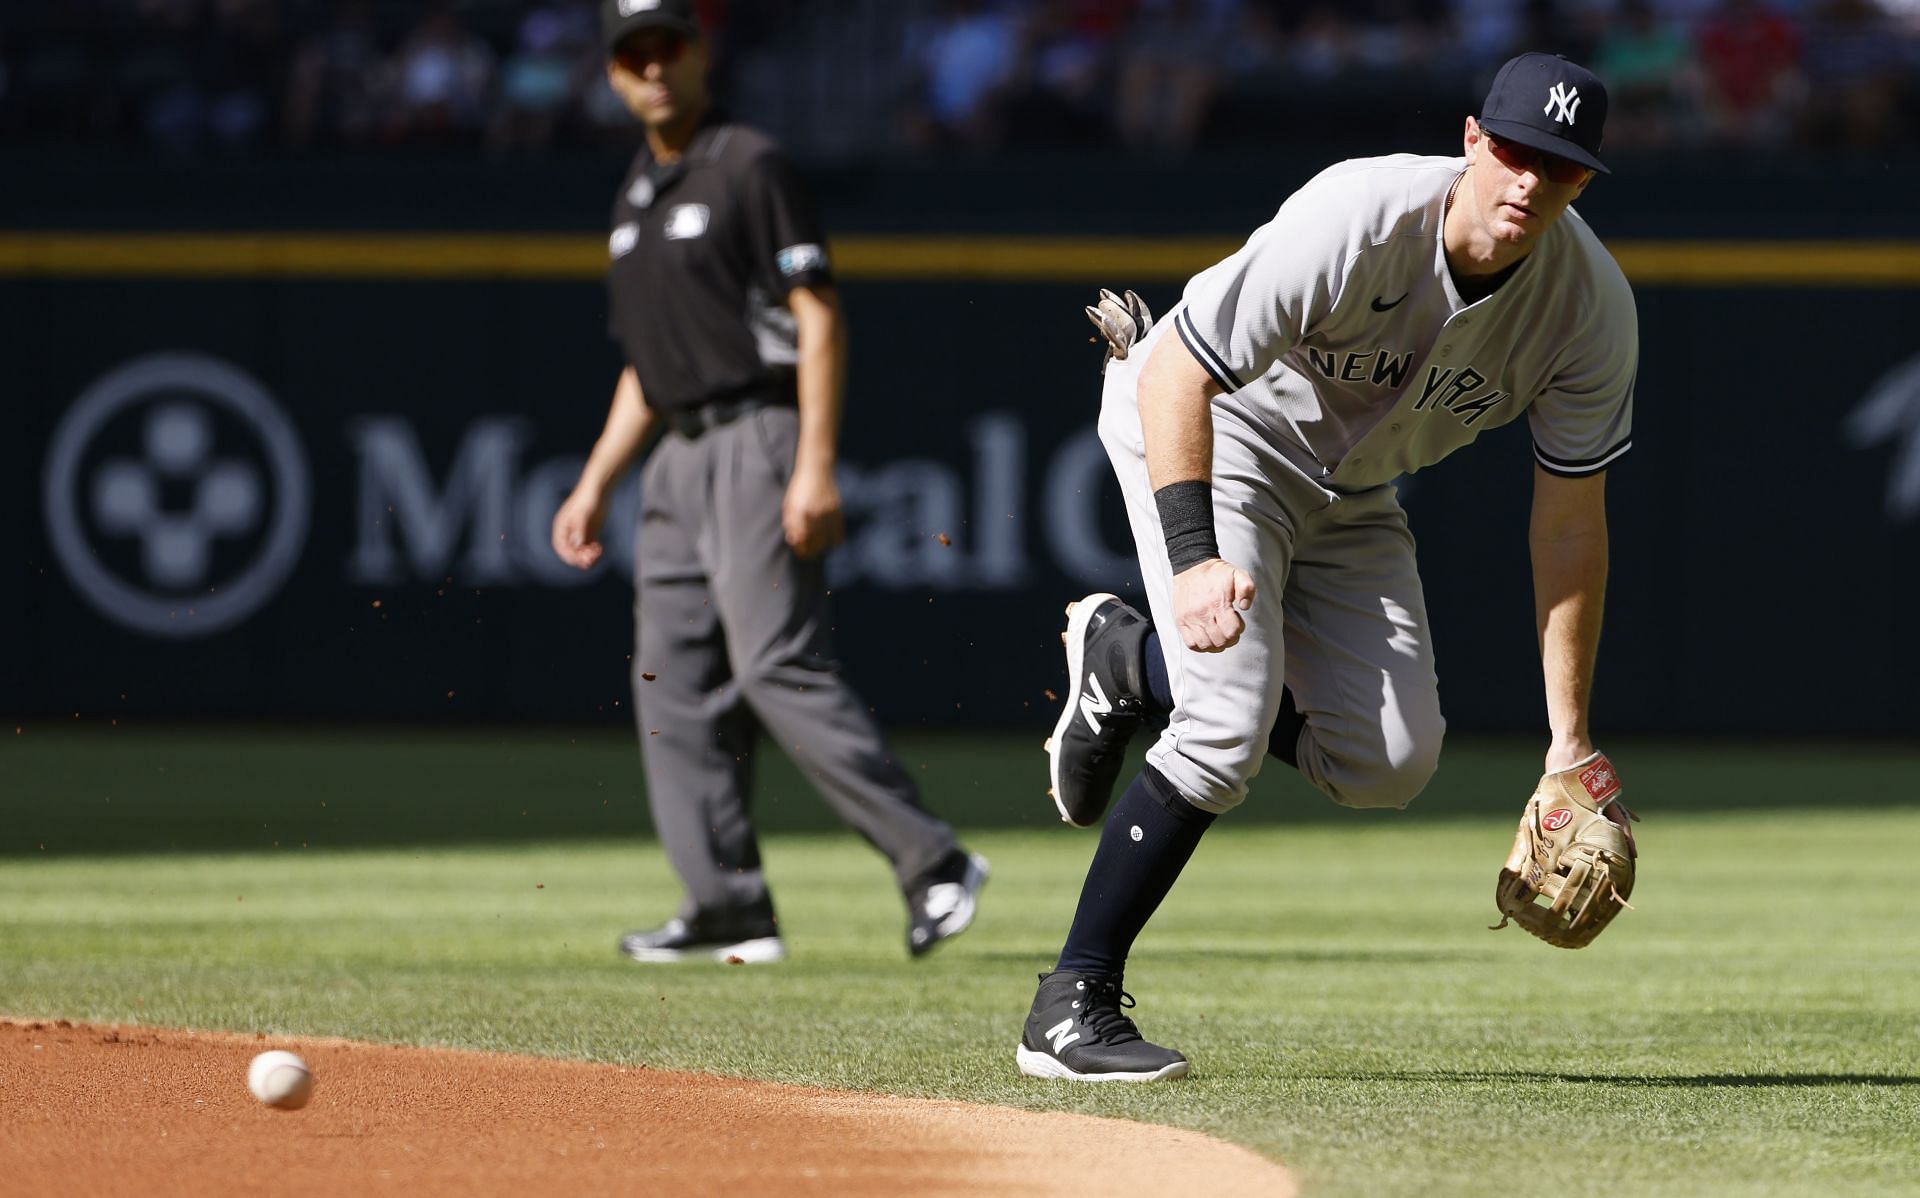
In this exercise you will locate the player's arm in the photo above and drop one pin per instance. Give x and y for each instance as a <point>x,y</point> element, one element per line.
<point>1568,538</point>
<point>1236,319</point>
<point>630,425</point>
<point>1176,422</point>
<point>810,515</point>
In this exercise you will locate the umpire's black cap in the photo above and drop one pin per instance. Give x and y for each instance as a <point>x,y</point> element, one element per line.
<point>619,19</point>
<point>1546,102</point>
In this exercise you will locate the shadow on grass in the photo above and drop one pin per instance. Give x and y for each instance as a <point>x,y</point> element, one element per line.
<point>1678,1081</point>
<point>1164,959</point>
<point>82,791</point>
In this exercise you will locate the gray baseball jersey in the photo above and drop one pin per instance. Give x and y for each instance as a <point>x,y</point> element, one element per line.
<point>1339,334</point>
<point>1350,358</point>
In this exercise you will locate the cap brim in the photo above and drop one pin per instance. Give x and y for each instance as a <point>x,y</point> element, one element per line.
<point>1546,143</point>
<point>640,22</point>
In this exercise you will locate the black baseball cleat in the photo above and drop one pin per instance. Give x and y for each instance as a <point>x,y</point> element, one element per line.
<point>1105,703</point>
<point>941,905</point>
<point>747,936</point>
<point>1077,1031</point>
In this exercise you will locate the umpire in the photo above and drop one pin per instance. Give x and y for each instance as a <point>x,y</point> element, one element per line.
<point>723,301</point>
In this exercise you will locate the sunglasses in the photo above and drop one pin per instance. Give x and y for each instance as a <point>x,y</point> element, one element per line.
<point>638,53</point>
<point>1517,157</point>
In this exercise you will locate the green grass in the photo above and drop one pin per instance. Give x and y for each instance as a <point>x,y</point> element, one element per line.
<point>1753,1029</point>
<point>91,790</point>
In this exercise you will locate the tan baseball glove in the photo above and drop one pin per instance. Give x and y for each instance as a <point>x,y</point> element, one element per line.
<point>1122,320</point>
<point>1571,869</point>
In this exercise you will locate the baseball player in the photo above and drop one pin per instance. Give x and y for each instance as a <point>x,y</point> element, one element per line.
<point>1391,311</point>
<point>722,298</point>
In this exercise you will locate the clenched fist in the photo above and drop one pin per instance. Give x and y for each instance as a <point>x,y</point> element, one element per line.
<point>1207,602</point>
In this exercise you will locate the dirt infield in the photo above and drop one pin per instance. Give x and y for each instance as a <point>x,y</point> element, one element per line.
<point>115,1110</point>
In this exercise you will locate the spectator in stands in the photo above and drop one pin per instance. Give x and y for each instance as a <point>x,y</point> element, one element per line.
<point>1169,71</point>
<point>1854,62</point>
<point>333,85</point>
<point>154,77</point>
<point>1648,62</point>
<point>1488,30</point>
<point>1750,57</point>
<point>1392,35</point>
<point>198,73</point>
<point>441,80</point>
<point>965,62</point>
<point>1068,71</point>
<point>1319,46</point>
<point>554,56</point>
<point>1156,75</point>
<point>242,62</point>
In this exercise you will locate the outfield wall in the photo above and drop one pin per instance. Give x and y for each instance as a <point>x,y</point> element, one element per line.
<point>300,477</point>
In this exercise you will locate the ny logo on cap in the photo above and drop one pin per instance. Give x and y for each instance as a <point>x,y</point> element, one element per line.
<point>1566,99</point>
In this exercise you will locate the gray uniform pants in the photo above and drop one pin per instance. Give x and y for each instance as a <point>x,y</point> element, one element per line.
<point>1339,618</point>
<point>734,631</point>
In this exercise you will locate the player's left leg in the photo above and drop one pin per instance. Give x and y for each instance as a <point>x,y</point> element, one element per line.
<point>1360,712</point>
<point>774,608</point>
<point>1201,765</point>
<point>1117,682</point>
<point>1360,667</point>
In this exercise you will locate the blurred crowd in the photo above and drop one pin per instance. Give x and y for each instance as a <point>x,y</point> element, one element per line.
<point>865,77</point>
<point>1172,74</point>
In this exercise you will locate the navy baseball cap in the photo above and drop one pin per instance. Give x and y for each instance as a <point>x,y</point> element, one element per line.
<point>621,19</point>
<point>1549,104</point>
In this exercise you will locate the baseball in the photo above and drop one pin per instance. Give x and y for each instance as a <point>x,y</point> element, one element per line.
<point>280,1080</point>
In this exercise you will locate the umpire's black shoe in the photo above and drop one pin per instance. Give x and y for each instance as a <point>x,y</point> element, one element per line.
<point>747,936</point>
<point>1078,1032</point>
<point>1105,703</point>
<point>940,905</point>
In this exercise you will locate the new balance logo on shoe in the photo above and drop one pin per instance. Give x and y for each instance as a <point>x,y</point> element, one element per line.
<point>1094,703</point>
<point>1058,1035</point>
<point>1102,708</point>
<point>1078,1030</point>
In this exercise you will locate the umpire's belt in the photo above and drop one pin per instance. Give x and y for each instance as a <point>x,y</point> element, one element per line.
<point>691,422</point>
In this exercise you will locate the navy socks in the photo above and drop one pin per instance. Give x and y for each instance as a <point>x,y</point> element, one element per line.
<point>1283,742</point>
<point>1159,690</point>
<point>1149,836</point>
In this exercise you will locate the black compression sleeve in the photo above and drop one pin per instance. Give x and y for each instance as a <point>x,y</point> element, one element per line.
<point>1186,521</point>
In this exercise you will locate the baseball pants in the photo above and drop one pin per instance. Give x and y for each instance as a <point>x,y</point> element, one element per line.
<point>732,636</point>
<point>1338,616</point>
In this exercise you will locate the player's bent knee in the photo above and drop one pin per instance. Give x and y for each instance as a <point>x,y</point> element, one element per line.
<point>1393,780</point>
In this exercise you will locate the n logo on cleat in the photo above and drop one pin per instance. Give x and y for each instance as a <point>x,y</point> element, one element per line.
<point>1094,703</point>
<point>1062,1034</point>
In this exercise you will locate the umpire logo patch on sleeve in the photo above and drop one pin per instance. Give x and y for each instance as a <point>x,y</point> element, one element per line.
<point>798,259</point>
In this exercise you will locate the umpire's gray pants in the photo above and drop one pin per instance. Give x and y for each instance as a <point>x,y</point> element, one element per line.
<point>731,627</point>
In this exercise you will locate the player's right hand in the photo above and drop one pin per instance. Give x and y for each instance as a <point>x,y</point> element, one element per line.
<point>576,527</point>
<point>1207,602</point>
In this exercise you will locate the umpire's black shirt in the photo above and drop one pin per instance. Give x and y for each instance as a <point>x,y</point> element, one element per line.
<point>703,253</point>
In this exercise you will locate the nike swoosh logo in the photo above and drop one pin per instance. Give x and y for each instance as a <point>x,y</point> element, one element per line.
<point>1379,306</point>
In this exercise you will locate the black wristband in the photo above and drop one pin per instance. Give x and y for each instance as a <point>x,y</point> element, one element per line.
<point>1186,521</point>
